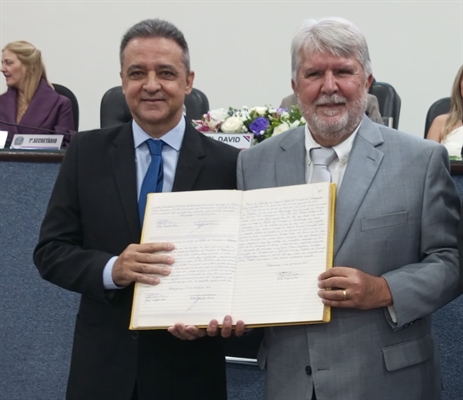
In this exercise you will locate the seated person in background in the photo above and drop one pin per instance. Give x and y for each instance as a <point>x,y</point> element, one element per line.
<point>31,105</point>
<point>372,110</point>
<point>447,128</point>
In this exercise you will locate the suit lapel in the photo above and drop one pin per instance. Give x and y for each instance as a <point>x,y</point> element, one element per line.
<point>189,161</point>
<point>290,164</point>
<point>122,154</point>
<point>363,164</point>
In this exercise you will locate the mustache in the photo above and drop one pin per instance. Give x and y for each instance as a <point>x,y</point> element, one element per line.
<point>333,99</point>
<point>153,97</point>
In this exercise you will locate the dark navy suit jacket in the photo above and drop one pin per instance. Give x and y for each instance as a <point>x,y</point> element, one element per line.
<point>92,216</point>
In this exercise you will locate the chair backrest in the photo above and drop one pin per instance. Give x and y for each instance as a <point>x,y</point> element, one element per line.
<point>441,106</point>
<point>115,111</point>
<point>196,104</point>
<point>64,91</point>
<point>389,101</point>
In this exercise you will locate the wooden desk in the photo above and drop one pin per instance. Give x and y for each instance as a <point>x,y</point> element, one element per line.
<point>35,156</point>
<point>57,156</point>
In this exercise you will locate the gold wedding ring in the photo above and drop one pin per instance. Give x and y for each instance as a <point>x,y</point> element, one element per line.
<point>344,294</point>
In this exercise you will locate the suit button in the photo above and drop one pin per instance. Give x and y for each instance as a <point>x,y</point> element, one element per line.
<point>308,370</point>
<point>135,335</point>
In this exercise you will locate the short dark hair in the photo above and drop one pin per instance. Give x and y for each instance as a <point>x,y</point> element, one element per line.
<point>156,28</point>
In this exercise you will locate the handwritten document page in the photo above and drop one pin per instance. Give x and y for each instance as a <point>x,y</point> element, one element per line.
<point>284,245</point>
<point>255,255</point>
<point>203,225</point>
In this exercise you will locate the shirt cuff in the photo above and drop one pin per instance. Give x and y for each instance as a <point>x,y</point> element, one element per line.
<point>392,313</point>
<point>108,282</point>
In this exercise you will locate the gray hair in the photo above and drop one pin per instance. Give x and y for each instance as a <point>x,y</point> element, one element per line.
<point>156,28</point>
<point>338,36</point>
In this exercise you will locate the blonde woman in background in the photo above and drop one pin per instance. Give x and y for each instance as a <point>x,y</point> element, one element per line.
<point>31,105</point>
<point>447,128</point>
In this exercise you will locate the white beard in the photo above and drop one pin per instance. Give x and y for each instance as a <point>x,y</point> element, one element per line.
<point>339,128</point>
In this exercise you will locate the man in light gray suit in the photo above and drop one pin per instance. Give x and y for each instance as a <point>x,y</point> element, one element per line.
<point>395,253</point>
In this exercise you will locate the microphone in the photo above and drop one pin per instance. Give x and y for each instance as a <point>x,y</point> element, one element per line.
<point>35,128</point>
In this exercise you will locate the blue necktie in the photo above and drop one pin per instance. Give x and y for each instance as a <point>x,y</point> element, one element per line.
<point>154,176</point>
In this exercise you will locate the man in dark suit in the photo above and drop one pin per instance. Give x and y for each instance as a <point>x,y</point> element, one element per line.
<point>88,240</point>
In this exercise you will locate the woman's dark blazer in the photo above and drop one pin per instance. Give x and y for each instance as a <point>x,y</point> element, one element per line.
<point>47,111</point>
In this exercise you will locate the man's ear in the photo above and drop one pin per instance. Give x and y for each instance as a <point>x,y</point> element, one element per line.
<point>369,82</point>
<point>295,89</point>
<point>122,82</point>
<point>189,82</point>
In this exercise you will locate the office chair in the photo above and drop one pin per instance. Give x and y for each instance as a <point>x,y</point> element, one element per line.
<point>115,111</point>
<point>64,91</point>
<point>389,101</point>
<point>196,104</point>
<point>441,106</point>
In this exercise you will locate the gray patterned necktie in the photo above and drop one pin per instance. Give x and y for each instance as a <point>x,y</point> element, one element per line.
<point>321,159</point>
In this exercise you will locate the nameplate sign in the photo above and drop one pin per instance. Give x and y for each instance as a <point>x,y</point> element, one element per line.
<point>42,142</point>
<point>3,136</point>
<point>239,140</point>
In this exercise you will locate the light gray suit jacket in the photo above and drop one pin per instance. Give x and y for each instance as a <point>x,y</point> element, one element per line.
<point>396,216</point>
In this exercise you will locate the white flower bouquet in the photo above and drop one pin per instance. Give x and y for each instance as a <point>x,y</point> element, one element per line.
<point>263,122</point>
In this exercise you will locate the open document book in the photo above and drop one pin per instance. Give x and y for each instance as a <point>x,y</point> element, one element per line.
<point>254,255</point>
